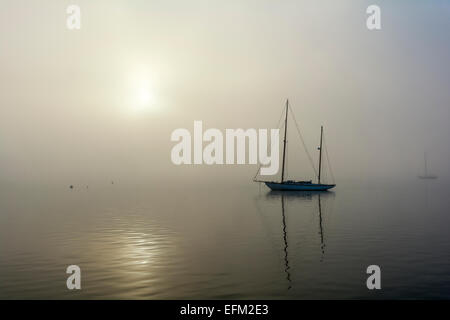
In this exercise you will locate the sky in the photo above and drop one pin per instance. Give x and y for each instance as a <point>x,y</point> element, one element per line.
<point>100,103</point>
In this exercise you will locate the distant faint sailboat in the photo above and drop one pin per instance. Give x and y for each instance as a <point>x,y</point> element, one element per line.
<point>294,185</point>
<point>426,175</point>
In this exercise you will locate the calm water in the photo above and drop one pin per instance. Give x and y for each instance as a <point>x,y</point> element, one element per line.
<point>218,242</point>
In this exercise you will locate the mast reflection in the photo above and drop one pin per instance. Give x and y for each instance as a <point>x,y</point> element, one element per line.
<point>285,197</point>
<point>286,258</point>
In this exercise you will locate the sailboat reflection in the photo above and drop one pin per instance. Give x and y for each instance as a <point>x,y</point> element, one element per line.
<point>302,197</point>
<point>286,259</point>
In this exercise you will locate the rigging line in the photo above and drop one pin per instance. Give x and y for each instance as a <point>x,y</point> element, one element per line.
<point>281,117</point>
<point>259,165</point>
<point>278,127</point>
<point>329,162</point>
<point>304,144</point>
<point>257,172</point>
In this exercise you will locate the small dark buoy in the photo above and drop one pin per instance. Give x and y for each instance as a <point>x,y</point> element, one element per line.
<point>71,187</point>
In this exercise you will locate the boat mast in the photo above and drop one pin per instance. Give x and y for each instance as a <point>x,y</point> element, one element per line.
<point>284,141</point>
<point>320,154</point>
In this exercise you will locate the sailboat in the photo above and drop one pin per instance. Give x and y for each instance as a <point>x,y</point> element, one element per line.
<point>426,175</point>
<point>295,185</point>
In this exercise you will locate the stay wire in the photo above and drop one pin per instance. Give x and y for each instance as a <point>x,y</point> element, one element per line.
<point>304,144</point>
<point>328,161</point>
<point>278,126</point>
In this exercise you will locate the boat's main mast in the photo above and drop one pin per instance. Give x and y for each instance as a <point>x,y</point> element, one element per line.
<point>320,154</point>
<point>284,141</point>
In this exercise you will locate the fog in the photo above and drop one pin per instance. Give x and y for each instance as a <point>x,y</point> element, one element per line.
<point>71,112</point>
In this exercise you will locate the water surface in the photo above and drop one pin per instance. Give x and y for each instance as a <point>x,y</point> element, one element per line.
<point>225,242</point>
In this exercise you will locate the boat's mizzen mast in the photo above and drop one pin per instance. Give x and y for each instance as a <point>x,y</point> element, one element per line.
<point>320,154</point>
<point>284,141</point>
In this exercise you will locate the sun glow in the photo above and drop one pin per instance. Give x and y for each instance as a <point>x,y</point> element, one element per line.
<point>141,91</point>
<point>145,97</point>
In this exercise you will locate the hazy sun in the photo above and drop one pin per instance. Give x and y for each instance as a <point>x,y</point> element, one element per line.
<point>145,97</point>
<point>141,92</point>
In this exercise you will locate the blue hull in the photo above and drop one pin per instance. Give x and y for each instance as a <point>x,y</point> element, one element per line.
<point>300,186</point>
